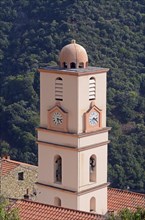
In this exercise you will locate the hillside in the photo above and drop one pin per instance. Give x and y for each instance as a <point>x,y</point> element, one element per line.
<point>113,33</point>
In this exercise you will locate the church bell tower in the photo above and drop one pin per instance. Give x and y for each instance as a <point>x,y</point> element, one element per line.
<point>73,137</point>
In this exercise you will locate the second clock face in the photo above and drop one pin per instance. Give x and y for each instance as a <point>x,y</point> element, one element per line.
<point>57,118</point>
<point>93,118</point>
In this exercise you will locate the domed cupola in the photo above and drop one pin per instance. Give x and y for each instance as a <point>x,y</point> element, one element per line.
<point>73,56</point>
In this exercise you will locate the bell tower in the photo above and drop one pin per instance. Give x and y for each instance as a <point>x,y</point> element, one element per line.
<point>73,137</point>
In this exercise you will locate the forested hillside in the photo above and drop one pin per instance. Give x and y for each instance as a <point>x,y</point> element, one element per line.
<point>113,33</point>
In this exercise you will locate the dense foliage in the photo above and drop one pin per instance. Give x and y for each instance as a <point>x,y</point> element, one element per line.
<point>113,33</point>
<point>6,211</point>
<point>126,214</point>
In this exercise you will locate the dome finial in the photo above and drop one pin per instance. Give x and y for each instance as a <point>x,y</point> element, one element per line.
<point>73,41</point>
<point>73,56</point>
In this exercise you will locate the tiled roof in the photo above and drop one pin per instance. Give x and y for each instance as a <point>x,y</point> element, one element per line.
<point>120,199</point>
<point>29,210</point>
<point>117,200</point>
<point>7,165</point>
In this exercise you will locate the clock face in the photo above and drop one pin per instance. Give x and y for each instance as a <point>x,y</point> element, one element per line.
<point>57,118</point>
<point>93,118</point>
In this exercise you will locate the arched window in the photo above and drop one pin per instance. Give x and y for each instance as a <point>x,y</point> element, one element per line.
<point>57,201</point>
<point>58,169</point>
<point>81,65</point>
<point>92,164</point>
<point>93,204</point>
<point>92,88</point>
<point>59,89</point>
<point>72,65</point>
<point>64,65</point>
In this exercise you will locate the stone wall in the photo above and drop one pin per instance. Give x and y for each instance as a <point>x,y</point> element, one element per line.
<point>12,187</point>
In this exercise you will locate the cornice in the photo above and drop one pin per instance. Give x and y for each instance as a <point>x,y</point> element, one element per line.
<point>78,193</point>
<point>80,135</point>
<point>74,72</point>
<point>74,148</point>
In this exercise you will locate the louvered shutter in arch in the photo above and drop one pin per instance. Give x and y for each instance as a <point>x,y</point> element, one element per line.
<point>92,88</point>
<point>59,89</point>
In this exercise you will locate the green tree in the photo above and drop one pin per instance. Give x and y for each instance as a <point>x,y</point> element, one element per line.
<point>126,214</point>
<point>6,210</point>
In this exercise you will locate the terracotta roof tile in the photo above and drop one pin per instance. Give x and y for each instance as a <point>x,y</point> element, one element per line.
<point>29,210</point>
<point>119,199</point>
<point>7,165</point>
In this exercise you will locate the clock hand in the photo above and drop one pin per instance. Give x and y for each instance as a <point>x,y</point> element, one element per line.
<point>59,120</point>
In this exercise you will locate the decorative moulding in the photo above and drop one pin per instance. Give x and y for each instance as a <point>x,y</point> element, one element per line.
<point>57,119</point>
<point>87,119</point>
